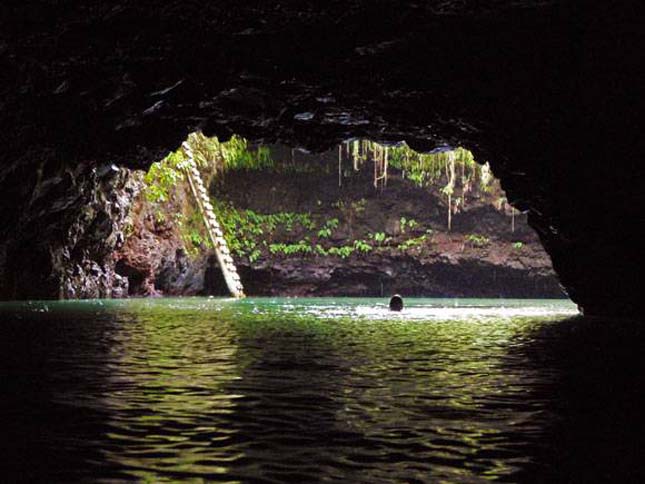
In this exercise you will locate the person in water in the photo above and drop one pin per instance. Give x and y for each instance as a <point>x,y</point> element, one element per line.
<point>396,303</point>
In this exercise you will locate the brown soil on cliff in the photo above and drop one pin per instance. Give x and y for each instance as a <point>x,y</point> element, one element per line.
<point>487,253</point>
<point>153,257</point>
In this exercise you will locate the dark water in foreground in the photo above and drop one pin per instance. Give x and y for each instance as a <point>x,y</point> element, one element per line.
<point>307,390</point>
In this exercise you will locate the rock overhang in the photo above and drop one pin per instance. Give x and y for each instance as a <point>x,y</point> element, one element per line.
<point>525,85</point>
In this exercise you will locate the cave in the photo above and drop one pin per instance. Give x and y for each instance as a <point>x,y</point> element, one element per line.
<point>544,92</point>
<point>298,389</point>
<point>359,220</point>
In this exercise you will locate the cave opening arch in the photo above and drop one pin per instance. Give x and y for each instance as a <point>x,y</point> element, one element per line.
<point>360,219</point>
<point>543,91</point>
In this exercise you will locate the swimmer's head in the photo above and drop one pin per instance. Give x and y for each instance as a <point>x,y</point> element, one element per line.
<point>396,303</point>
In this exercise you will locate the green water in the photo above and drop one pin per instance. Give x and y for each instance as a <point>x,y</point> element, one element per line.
<point>274,390</point>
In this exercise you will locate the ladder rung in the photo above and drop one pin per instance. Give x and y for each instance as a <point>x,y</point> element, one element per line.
<point>217,235</point>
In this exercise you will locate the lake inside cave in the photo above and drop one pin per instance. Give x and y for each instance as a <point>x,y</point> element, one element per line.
<point>305,390</point>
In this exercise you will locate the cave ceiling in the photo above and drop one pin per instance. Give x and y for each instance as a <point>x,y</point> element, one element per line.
<point>544,91</point>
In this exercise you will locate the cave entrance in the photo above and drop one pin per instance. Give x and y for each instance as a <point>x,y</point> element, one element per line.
<point>361,219</point>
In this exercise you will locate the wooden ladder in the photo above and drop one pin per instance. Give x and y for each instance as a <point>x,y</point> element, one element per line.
<point>224,259</point>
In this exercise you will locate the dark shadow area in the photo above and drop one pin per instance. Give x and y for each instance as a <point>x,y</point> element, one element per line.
<point>595,397</point>
<point>259,390</point>
<point>214,283</point>
<point>135,277</point>
<point>54,369</point>
<point>542,90</point>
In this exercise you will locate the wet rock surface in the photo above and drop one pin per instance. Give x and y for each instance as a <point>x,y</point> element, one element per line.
<point>153,258</point>
<point>508,261</point>
<point>409,275</point>
<point>60,243</point>
<point>543,91</point>
<point>488,252</point>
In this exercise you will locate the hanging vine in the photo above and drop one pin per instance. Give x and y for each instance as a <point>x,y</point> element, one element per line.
<point>455,169</point>
<point>453,172</point>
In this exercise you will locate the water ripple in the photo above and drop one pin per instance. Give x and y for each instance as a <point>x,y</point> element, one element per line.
<point>277,390</point>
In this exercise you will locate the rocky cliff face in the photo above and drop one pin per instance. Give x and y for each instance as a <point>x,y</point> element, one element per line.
<point>383,274</point>
<point>543,90</point>
<point>488,253</point>
<point>153,258</point>
<point>64,231</point>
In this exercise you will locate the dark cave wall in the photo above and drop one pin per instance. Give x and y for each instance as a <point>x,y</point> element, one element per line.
<point>544,91</point>
<point>61,225</point>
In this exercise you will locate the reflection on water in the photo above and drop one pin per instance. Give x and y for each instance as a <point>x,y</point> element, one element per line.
<point>296,390</point>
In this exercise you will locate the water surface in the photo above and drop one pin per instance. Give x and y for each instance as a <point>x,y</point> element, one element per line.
<point>298,390</point>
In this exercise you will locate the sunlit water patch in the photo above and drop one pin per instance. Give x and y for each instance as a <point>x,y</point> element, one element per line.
<point>418,309</point>
<point>278,390</point>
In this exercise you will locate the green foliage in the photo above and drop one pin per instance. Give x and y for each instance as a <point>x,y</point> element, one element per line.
<point>160,217</point>
<point>453,170</point>
<point>425,169</point>
<point>162,177</point>
<point>407,224</point>
<point>246,231</point>
<point>327,229</point>
<point>362,246</point>
<point>192,231</point>
<point>413,242</point>
<point>251,234</point>
<point>302,247</point>
<point>380,238</point>
<point>195,238</point>
<point>324,233</point>
<point>128,229</point>
<point>209,154</point>
<point>343,252</point>
<point>518,245</point>
<point>477,240</point>
<point>237,155</point>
